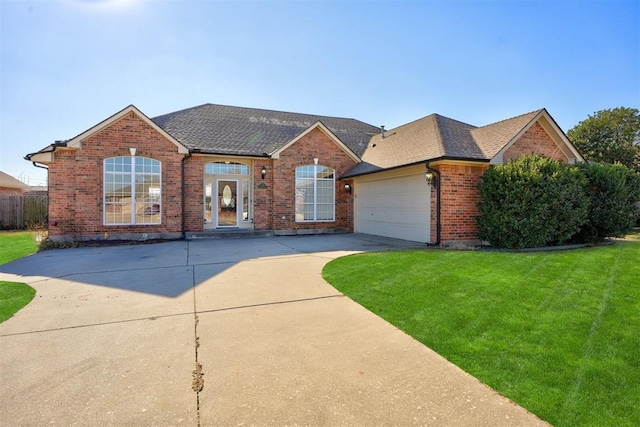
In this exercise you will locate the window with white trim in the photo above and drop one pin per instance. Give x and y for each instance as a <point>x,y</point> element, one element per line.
<point>315,193</point>
<point>132,191</point>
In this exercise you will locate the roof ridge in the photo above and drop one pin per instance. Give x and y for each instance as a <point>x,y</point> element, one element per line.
<point>263,109</point>
<point>456,120</point>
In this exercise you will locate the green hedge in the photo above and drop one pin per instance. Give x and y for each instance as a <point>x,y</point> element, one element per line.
<point>536,201</point>
<point>613,191</point>
<point>531,202</point>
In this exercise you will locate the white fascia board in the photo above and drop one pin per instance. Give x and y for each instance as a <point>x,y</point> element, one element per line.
<point>76,142</point>
<point>555,133</point>
<point>498,158</point>
<point>559,136</point>
<point>326,131</point>
<point>45,158</point>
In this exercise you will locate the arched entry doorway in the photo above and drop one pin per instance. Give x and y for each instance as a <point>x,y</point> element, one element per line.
<point>227,195</point>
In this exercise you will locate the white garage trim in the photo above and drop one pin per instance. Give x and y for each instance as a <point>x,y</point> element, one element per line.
<point>394,204</point>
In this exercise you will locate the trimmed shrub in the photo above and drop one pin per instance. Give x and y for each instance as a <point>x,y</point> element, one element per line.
<point>531,202</point>
<point>613,191</point>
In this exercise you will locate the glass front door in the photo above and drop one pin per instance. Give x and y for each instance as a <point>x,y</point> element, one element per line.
<point>227,203</point>
<point>227,195</point>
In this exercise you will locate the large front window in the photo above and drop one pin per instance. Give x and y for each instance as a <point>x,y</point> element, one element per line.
<point>132,191</point>
<point>315,193</point>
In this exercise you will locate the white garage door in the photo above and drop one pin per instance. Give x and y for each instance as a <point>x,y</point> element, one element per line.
<point>397,207</point>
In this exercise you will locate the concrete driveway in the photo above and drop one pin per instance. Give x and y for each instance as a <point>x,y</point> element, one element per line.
<point>221,332</point>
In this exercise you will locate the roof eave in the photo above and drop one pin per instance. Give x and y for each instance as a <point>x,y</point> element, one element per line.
<point>433,161</point>
<point>204,152</point>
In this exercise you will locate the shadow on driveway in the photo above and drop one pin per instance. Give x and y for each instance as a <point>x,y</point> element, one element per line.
<point>169,269</point>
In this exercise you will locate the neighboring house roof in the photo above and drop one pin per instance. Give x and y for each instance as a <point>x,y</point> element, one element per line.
<point>7,181</point>
<point>436,137</point>
<point>222,129</point>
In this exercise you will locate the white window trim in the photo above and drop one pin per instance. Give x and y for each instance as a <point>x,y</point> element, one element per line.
<point>132,175</point>
<point>315,194</point>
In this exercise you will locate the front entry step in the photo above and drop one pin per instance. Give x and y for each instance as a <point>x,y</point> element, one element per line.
<point>227,234</point>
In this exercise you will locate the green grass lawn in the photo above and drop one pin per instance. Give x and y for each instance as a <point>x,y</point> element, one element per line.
<point>557,332</point>
<point>14,296</point>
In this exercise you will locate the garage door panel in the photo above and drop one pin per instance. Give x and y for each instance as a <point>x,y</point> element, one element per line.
<point>395,207</point>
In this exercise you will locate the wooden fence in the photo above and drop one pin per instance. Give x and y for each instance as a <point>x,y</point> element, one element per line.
<point>20,211</point>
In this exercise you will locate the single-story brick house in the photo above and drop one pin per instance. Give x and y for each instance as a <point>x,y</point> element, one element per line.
<point>215,168</point>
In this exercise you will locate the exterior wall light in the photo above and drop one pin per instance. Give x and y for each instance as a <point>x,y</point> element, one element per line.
<point>430,177</point>
<point>264,171</point>
<point>347,188</point>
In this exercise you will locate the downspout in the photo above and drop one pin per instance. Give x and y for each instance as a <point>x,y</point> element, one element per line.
<point>52,150</point>
<point>40,166</point>
<point>184,190</point>
<point>436,183</point>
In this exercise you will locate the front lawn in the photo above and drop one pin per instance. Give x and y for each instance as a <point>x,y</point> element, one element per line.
<point>556,332</point>
<point>14,296</point>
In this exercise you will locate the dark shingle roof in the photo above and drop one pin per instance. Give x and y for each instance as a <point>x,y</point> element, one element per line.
<point>222,129</point>
<point>436,137</point>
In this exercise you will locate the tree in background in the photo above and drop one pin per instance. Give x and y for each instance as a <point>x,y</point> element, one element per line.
<point>609,136</point>
<point>613,191</point>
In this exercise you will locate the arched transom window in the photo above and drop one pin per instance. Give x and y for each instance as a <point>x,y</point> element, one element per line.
<point>132,191</point>
<point>315,193</point>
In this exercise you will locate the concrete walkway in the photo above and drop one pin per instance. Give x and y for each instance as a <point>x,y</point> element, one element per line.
<point>221,333</point>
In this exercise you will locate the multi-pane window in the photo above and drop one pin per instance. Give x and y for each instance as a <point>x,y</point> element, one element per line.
<point>226,168</point>
<point>315,193</point>
<point>132,191</point>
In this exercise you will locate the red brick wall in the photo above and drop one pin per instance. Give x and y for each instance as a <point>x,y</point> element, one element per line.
<point>534,140</point>
<point>76,181</point>
<point>194,193</point>
<point>281,182</point>
<point>263,194</point>
<point>458,202</point>
<point>62,189</point>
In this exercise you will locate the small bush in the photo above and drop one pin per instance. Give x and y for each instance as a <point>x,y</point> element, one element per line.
<point>531,202</point>
<point>613,191</point>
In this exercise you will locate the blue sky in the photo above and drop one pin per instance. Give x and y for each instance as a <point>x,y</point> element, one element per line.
<point>66,65</point>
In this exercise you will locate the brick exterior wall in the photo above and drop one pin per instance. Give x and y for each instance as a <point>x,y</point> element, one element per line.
<point>458,187</point>
<point>194,193</point>
<point>458,202</point>
<point>534,140</point>
<point>263,195</point>
<point>76,183</point>
<point>280,192</point>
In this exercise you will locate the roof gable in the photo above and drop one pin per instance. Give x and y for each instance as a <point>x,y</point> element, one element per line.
<point>548,124</point>
<point>318,125</point>
<point>494,137</point>
<point>76,142</point>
